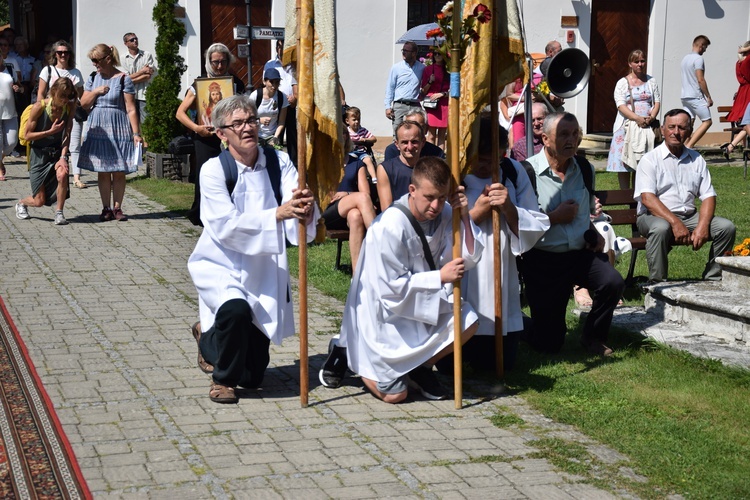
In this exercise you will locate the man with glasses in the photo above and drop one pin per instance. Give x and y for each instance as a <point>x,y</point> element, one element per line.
<point>402,90</point>
<point>239,265</point>
<point>140,66</point>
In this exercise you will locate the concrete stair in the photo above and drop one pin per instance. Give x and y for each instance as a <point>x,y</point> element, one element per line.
<point>714,314</point>
<point>595,144</point>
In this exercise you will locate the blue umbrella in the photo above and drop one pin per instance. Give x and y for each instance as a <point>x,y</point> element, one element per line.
<point>418,35</point>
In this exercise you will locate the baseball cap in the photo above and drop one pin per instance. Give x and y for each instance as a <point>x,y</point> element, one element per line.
<point>271,74</point>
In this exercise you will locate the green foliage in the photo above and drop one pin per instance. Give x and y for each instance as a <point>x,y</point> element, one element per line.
<point>4,13</point>
<point>162,98</point>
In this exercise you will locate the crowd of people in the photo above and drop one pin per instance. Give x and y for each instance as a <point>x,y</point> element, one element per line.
<point>70,123</point>
<point>397,329</point>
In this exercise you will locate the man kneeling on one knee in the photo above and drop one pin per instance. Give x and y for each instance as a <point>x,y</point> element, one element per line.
<point>239,265</point>
<point>398,317</point>
<point>667,182</point>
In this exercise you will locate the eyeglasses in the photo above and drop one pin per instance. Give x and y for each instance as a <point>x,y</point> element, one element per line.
<point>219,62</point>
<point>98,61</point>
<point>63,53</point>
<point>134,39</point>
<point>238,125</point>
<point>407,51</point>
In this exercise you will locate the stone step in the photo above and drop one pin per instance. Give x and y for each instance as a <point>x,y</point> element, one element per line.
<point>735,274</point>
<point>596,141</point>
<point>703,344</point>
<point>703,306</point>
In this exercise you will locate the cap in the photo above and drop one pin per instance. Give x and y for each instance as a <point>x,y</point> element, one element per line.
<point>271,74</point>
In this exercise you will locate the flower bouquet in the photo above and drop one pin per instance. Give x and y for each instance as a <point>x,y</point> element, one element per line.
<point>743,249</point>
<point>480,15</point>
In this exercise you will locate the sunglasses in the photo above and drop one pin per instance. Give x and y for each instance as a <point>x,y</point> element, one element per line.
<point>98,61</point>
<point>62,52</point>
<point>134,39</point>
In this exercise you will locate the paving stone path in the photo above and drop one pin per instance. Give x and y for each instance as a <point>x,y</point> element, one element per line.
<point>105,310</point>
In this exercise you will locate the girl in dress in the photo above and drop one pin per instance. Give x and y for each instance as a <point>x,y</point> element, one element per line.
<point>435,86</point>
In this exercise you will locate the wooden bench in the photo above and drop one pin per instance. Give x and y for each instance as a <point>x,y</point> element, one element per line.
<point>735,129</point>
<point>341,235</point>
<point>625,214</point>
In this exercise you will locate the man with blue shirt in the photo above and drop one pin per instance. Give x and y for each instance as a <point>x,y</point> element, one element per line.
<point>570,252</point>
<point>402,90</point>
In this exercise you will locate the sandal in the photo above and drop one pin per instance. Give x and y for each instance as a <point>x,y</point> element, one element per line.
<point>79,184</point>
<point>2,172</point>
<point>205,366</point>
<point>222,394</point>
<point>582,298</point>
<point>727,148</point>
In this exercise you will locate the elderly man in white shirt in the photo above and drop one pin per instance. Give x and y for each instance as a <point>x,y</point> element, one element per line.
<point>667,181</point>
<point>239,265</point>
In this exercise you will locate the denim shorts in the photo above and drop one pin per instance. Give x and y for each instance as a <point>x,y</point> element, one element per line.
<point>394,386</point>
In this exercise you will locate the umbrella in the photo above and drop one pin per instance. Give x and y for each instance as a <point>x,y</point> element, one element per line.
<point>418,35</point>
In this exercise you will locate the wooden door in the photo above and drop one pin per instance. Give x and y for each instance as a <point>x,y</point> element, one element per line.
<point>218,19</point>
<point>617,28</point>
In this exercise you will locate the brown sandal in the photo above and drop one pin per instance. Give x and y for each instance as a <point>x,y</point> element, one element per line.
<point>222,394</point>
<point>202,363</point>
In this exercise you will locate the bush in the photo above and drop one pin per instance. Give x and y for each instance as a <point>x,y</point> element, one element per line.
<point>162,98</point>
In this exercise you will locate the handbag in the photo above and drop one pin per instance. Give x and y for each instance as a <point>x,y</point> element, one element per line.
<point>182,145</point>
<point>81,114</point>
<point>428,104</point>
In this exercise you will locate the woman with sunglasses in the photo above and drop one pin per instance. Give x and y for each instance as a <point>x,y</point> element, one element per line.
<point>113,129</point>
<point>207,145</point>
<point>61,63</point>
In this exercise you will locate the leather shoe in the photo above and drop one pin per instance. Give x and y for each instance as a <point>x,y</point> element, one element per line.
<point>597,347</point>
<point>202,363</point>
<point>222,394</point>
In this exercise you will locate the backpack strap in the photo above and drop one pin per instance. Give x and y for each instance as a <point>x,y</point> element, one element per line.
<point>274,171</point>
<point>258,97</point>
<point>587,171</point>
<point>509,172</point>
<point>532,175</point>
<point>229,165</point>
<point>420,233</point>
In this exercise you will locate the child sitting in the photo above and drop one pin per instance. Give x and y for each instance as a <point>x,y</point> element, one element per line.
<point>362,140</point>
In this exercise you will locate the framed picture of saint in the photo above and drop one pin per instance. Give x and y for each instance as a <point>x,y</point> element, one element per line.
<point>209,91</point>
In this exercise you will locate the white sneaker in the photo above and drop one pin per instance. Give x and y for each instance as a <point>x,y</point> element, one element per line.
<point>60,219</point>
<point>22,212</point>
<point>15,154</point>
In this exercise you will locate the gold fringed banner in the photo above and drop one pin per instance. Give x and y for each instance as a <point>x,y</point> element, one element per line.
<point>319,105</point>
<point>475,71</point>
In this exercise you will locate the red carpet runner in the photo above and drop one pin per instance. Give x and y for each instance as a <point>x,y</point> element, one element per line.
<point>36,460</point>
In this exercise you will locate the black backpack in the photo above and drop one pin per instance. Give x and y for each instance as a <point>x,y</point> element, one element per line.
<point>229,164</point>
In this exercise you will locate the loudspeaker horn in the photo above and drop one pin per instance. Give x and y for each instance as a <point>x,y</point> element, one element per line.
<point>568,73</point>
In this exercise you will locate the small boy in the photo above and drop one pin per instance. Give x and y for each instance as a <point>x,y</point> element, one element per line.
<point>362,139</point>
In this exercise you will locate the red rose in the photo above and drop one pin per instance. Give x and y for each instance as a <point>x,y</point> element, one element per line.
<point>482,13</point>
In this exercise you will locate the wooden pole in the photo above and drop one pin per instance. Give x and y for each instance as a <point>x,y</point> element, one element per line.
<point>304,375</point>
<point>453,126</point>
<point>496,226</point>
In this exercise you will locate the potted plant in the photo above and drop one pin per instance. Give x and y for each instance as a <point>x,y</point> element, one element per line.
<point>162,100</point>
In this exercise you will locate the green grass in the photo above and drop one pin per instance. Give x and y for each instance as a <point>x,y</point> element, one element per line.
<point>683,422</point>
<point>175,196</point>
